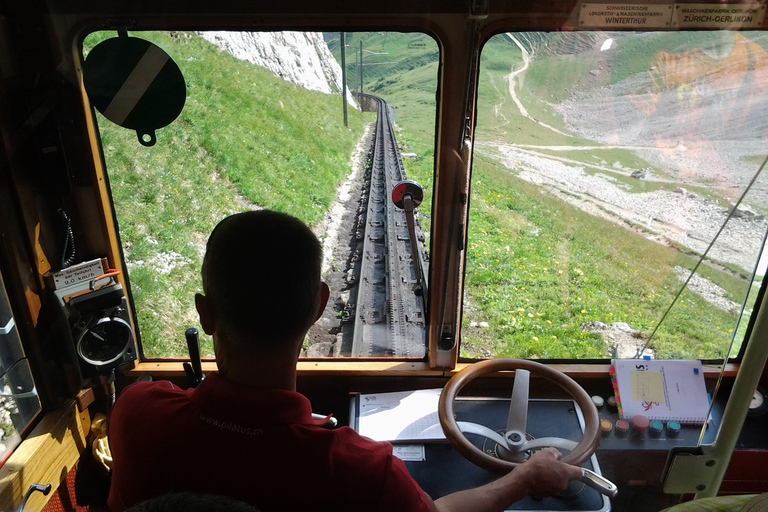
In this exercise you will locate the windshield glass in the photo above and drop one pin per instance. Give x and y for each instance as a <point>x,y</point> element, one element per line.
<point>264,125</point>
<point>605,166</point>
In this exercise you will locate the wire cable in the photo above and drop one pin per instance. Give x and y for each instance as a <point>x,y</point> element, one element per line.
<point>685,284</point>
<point>640,351</point>
<point>67,257</point>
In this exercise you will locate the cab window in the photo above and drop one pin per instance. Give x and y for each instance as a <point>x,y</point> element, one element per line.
<point>263,126</point>
<point>607,167</point>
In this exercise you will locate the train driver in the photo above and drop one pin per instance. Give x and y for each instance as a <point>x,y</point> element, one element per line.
<point>245,432</point>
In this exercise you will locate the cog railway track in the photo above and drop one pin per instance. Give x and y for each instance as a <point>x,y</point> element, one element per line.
<point>390,315</point>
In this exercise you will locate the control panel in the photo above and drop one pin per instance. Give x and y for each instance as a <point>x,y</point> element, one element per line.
<point>96,309</point>
<point>643,433</point>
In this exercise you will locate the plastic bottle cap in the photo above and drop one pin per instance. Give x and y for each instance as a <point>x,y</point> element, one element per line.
<point>673,427</point>
<point>656,426</point>
<point>622,425</point>
<point>598,401</point>
<point>611,401</point>
<point>606,426</point>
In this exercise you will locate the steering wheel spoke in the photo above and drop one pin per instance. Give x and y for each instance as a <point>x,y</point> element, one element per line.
<point>515,451</point>
<point>556,442</point>
<point>467,427</point>
<point>517,419</point>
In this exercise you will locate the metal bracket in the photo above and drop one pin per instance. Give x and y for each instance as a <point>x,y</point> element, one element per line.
<point>45,489</point>
<point>478,9</point>
<point>121,25</point>
<point>447,341</point>
<point>689,470</point>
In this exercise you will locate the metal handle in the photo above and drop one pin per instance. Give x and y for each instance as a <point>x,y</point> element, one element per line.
<point>328,421</point>
<point>599,483</point>
<point>45,489</point>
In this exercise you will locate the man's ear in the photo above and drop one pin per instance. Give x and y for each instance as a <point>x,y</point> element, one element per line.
<point>207,318</point>
<point>325,292</point>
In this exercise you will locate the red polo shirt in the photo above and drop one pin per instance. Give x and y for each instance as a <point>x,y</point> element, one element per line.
<point>260,447</point>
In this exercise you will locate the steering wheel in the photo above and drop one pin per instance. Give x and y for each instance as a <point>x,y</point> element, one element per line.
<point>514,443</point>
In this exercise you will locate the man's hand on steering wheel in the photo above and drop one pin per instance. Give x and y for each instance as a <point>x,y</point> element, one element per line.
<point>542,475</point>
<point>545,474</point>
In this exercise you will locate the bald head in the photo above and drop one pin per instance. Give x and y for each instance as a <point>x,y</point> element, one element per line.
<point>261,275</point>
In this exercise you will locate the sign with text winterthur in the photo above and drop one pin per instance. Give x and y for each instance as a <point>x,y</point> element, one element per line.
<point>654,16</point>
<point>718,15</point>
<point>639,16</point>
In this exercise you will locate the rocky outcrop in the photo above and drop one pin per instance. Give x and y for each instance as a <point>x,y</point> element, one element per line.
<point>302,58</point>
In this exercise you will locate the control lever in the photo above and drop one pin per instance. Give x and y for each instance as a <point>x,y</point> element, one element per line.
<point>600,484</point>
<point>194,368</point>
<point>407,195</point>
<point>45,489</point>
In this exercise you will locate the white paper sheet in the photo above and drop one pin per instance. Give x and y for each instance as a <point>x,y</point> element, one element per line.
<point>401,416</point>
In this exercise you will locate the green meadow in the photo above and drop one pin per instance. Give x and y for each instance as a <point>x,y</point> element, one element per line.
<point>244,139</point>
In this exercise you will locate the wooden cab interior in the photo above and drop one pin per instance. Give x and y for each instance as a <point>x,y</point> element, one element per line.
<point>52,159</point>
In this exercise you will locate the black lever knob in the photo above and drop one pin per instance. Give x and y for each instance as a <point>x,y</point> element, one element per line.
<point>193,369</point>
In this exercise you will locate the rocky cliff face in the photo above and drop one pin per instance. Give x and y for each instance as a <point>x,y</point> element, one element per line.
<point>302,58</point>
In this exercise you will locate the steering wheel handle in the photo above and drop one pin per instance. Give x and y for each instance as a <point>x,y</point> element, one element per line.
<point>578,456</point>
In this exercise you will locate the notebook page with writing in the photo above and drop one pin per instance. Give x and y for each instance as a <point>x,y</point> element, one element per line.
<point>661,389</point>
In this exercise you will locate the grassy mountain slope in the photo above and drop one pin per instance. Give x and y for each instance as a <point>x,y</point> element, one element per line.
<point>244,139</point>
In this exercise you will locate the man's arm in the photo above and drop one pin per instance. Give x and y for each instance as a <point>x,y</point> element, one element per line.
<point>542,475</point>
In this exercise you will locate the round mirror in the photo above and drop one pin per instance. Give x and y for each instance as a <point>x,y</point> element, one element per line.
<point>134,84</point>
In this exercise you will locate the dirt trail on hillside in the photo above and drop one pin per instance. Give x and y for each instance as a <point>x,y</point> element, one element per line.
<point>677,160</point>
<point>663,216</point>
<point>511,79</point>
<point>612,118</point>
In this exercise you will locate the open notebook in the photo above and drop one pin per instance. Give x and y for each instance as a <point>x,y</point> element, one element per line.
<point>660,389</point>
